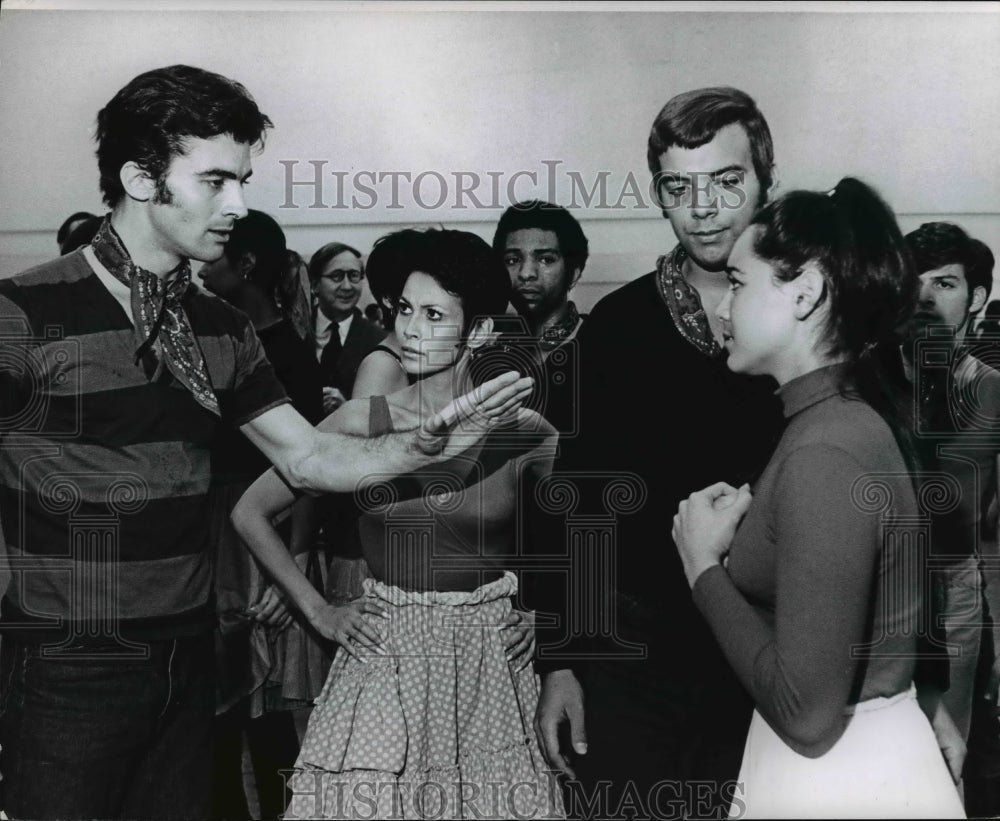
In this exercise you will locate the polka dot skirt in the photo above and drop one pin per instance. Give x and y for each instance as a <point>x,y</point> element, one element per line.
<point>441,727</point>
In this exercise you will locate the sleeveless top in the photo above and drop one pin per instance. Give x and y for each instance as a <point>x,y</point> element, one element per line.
<point>389,351</point>
<point>453,525</point>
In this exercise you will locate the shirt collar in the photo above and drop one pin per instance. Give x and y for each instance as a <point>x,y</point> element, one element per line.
<point>812,388</point>
<point>557,333</point>
<point>325,326</point>
<point>344,326</point>
<point>323,323</point>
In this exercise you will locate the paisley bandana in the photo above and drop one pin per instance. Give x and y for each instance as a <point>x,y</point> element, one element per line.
<point>158,314</point>
<point>555,335</point>
<point>684,303</point>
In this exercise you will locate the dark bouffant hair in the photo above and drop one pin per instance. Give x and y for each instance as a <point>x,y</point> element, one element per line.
<point>462,263</point>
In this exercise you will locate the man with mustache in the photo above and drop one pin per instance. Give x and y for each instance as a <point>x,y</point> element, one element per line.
<point>116,377</point>
<point>958,400</point>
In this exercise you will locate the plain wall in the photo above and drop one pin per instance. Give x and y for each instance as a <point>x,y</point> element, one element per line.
<point>908,101</point>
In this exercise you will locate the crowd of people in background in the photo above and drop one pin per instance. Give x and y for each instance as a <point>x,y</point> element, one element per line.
<point>726,544</point>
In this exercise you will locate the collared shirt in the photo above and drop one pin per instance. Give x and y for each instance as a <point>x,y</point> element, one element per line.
<point>323,325</point>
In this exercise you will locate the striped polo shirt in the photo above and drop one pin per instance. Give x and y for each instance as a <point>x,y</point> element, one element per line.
<point>103,473</point>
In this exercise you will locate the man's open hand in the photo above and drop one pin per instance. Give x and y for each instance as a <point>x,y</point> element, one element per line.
<point>465,420</point>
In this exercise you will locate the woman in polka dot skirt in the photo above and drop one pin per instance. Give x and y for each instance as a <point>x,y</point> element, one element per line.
<point>428,708</point>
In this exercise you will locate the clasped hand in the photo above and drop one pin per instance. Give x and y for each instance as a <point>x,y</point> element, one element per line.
<point>705,525</point>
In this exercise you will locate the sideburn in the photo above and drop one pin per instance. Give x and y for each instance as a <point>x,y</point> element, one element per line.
<point>162,195</point>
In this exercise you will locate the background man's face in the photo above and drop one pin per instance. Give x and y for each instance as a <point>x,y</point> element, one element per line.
<point>337,299</point>
<point>538,274</point>
<point>710,194</point>
<point>945,299</point>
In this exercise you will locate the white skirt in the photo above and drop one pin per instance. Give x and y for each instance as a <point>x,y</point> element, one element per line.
<point>887,764</point>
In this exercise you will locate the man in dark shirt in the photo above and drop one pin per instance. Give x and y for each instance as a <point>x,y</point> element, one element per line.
<point>657,720</point>
<point>958,398</point>
<point>545,251</point>
<point>116,375</point>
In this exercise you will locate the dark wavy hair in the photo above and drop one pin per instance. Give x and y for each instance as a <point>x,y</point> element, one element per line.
<point>460,262</point>
<point>870,283</point>
<point>937,244</point>
<point>148,121</point>
<point>545,216</point>
<point>693,118</point>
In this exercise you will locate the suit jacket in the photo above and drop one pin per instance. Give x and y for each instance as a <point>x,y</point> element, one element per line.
<point>362,337</point>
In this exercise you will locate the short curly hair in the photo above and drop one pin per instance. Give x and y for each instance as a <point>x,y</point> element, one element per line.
<point>545,216</point>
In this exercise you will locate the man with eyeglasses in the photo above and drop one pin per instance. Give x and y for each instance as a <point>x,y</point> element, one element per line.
<point>342,335</point>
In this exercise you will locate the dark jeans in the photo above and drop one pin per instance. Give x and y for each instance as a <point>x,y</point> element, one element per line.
<point>660,745</point>
<point>107,738</point>
<point>273,745</point>
<point>982,765</point>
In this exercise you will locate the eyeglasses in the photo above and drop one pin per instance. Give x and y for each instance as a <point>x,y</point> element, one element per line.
<point>338,276</point>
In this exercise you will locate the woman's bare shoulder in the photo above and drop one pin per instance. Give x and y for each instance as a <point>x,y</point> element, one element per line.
<point>380,373</point>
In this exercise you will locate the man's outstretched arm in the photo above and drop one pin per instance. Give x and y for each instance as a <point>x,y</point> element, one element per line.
<point>337,463</point>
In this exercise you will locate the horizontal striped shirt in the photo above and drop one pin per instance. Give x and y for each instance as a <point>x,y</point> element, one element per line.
<point>104,474</point>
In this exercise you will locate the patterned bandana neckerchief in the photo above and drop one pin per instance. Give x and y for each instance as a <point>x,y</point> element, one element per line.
<point>555,335</point>
<point>158,314</point>
<point>684,303</point>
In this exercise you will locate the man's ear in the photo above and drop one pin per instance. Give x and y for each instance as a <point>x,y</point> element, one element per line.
<point>481,333</point>
<point>978,299</point>
<point>137,182</point>
<point>808,291</point>
<point>775,185</point>
<point>574,278</point>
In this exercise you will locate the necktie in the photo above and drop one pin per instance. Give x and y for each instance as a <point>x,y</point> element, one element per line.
<point>331,353</point>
